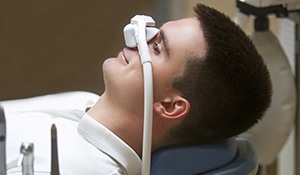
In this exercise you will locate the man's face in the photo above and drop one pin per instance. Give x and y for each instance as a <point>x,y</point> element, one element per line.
<point>123,75</point>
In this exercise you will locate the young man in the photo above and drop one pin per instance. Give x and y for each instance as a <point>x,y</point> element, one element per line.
<point>209,84</point>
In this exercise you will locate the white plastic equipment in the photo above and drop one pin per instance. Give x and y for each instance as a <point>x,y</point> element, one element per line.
<point>136,34</point>
<point>278,121</point>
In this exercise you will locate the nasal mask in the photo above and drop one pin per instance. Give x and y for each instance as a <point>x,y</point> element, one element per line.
<point>137,33</point>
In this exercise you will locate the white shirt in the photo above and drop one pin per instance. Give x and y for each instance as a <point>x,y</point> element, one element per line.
<point>84,145</point>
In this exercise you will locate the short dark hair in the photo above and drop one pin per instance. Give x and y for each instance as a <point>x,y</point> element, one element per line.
<point>229,88</point>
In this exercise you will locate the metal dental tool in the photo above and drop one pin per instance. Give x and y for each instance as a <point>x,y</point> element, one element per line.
<point>26,158</point>
<point>54,151</point>
<point>2,142</point>
<point>136,34</point>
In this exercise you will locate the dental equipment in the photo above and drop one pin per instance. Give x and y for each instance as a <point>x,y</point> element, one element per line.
<point>54,151</point>
<point>279,119</point>
<point>137,33</point>
<point>2,142</point>
<point>26,158</point>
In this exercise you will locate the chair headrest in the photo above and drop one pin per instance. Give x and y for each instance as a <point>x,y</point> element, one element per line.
<point>193,159</point>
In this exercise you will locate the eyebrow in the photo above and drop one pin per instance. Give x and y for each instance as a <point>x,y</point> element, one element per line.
<point>165,42</point>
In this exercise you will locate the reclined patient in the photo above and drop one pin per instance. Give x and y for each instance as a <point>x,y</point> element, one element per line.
<point>209,82</point>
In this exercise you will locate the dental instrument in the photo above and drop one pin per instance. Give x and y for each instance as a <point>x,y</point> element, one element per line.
<point>26,158</point>
<point>2,142</point>
<point>136,34</point>
<point>54,151</point>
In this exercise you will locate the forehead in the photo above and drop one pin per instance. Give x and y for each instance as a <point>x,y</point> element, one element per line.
<point>185,35</point>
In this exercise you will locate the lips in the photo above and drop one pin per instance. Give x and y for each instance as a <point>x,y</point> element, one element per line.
<point>123,57</point>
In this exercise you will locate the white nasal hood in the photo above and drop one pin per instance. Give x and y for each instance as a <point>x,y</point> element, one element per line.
<point>131,34</point>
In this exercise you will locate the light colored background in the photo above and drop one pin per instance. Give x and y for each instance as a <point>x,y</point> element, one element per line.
<point>229,8</point>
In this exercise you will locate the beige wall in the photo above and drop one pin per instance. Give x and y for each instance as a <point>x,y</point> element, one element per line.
<point>53,46</point>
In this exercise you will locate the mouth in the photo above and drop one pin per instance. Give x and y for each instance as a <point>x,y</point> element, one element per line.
<point>124,57</point>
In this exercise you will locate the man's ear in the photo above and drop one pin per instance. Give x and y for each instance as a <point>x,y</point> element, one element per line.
<point>172,108</point>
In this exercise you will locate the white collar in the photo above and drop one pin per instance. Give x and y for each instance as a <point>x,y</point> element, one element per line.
<point>109,143</point>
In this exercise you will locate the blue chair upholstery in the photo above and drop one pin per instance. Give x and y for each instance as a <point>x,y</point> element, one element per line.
<point>234,156</point>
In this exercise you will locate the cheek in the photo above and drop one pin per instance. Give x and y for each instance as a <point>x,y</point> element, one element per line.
<point>163,74</point>
<point>161,81</point>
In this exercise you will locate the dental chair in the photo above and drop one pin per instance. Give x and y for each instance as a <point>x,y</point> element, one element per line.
<point>234,156</point>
